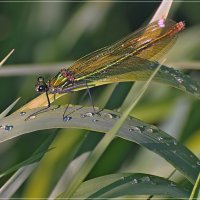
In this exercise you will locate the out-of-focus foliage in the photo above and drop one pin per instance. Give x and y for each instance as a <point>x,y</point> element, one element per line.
<point>56,32</point>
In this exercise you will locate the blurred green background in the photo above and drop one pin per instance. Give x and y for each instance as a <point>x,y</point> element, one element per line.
<point>47,34</point>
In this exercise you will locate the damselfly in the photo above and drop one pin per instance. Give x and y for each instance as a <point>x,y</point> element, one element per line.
<point>120,62</point>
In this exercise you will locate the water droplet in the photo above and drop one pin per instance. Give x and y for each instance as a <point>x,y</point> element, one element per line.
<point>152,183</point>
<point>193,87</point>
<point>56,107</point>
<point>149,130</point>
<point>175,142</point>
<point>6,127</point>
<point>174,151</point>
<point>95,120</point>
<point>87,114</point>
<point>194,166</point>
<point>67,118</point>
<point>109,116</point>
<point>179,79</point>
<point>191,156</point>
<point>145,179</point>
<point>165,70</point>
<point>135,129</point>
<point>115,116</point>
<point>172,184</point>
<point>134,181</point>
<point>122,178</point>
<point>160,138</point>
<point>142,128</point>
<point>104,72</point>
<point>31,117</point>
<point>198,163</point>
<point>22,113</point>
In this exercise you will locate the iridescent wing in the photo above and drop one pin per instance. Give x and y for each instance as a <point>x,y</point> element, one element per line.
<point>129,54</point>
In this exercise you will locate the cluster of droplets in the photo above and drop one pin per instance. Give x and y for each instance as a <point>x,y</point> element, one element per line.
<point>143,129</point>
<point>104,116</point>
<point>184,81</point>
<point>154,133</point>
<point>134,180</point>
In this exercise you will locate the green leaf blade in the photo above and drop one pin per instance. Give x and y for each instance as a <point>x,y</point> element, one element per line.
<point>127,184</point>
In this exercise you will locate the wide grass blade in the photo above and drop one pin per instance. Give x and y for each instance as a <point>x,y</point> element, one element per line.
<point>133,130</point>
<point>127,184</point>
<point>195,192</point>
<point>14,183</point>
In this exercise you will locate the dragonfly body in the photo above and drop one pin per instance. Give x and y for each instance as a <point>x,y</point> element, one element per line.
<point>122,61</point>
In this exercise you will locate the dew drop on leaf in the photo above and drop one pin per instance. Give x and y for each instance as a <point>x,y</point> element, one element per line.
<point>180,80</point>
<point>110,116</point>
<point>87,114</point>
<point>135,129</point>
<point>194,166</point>
<point>193,87</point>
<point>159,138</point>
<point>134,181</point>
<point>145,179</point>
<point>31,117</point>
<point>22,113</point>
<point>6,127</point>
<point>67,118</point>
<point>149,130</point>
<point>172,184</point>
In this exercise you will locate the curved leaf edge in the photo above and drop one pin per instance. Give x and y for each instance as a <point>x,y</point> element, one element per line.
<point>128,184</point>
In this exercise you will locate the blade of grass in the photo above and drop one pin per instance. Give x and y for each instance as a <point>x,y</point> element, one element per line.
<point>25,168</point>
<point>12,185</point>
<point>66,145</point>
<point>133,130</point>
<point>9,108</point>
<point>162,11</point>
<point>126,184</point>
<point>68,175</point>
<point>6,58</point>
<point>195,192</point>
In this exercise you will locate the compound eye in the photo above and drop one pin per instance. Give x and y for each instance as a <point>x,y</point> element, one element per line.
<point>41,88</point>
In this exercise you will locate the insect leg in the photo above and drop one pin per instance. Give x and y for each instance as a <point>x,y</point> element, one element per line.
<point>91,99</point>
<point>42,110</point>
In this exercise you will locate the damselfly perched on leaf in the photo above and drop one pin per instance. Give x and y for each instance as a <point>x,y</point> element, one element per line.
<point>123,61</point>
